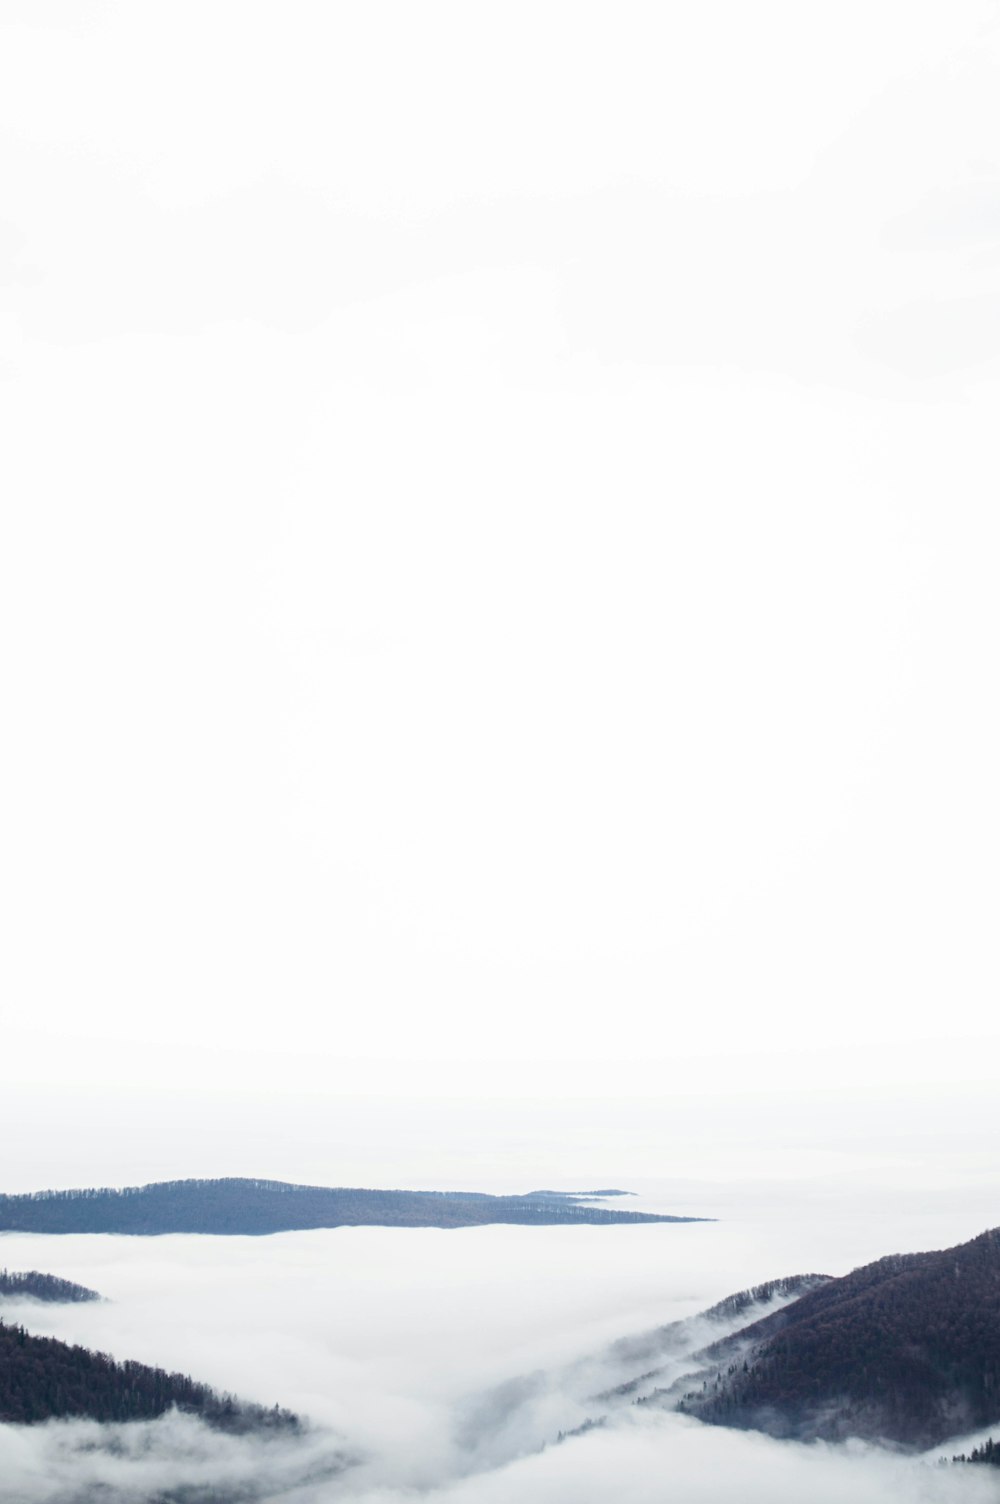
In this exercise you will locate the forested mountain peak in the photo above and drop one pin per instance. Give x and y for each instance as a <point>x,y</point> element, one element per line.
<point>906,1349</point>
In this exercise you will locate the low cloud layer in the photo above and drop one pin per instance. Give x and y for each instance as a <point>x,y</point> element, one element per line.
<point>450,1362</point>
<point>175,1457</point>
<point>641,1457</point>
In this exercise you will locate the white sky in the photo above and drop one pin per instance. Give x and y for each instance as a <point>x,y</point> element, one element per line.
<point>498,573</point>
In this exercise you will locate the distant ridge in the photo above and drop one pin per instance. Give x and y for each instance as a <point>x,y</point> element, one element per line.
<point>578,1195</point>
<point>258,1207</point>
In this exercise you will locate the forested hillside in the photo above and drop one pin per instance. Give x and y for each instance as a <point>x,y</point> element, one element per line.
<point>34,1286</point>
<point>906,1350</point>
<point>267,1206</point>
<point>41,1378</point>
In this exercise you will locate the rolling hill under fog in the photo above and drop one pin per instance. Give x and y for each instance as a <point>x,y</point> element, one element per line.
<point>42,1378</point>
<point>255,1207</point>
<point>905,1350</point>
<point>29,1284</point>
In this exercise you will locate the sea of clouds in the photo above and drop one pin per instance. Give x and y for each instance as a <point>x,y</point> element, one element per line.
<point>447,1363</point>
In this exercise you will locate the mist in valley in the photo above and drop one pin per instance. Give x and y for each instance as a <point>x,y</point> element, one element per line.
<point>456,1363</point>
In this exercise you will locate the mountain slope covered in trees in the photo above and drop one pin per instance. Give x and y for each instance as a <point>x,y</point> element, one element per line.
<point>904,1350</point>
<point>691,1332</point>
<point>41,1378</point>
<point>266,1206</point>
<point>31,1285</point>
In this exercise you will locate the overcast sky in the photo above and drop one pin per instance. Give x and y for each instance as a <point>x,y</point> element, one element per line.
<point>498,575</point>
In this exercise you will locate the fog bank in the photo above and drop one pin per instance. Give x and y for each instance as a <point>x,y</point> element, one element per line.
<point>446,1360</point>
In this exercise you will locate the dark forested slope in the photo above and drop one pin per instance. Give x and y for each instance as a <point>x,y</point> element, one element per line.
<point>266,1206</point>
<point>41,1377</point>
<point>906,1350</point>
<point>34,1286</point>
<point>691,1332</point>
